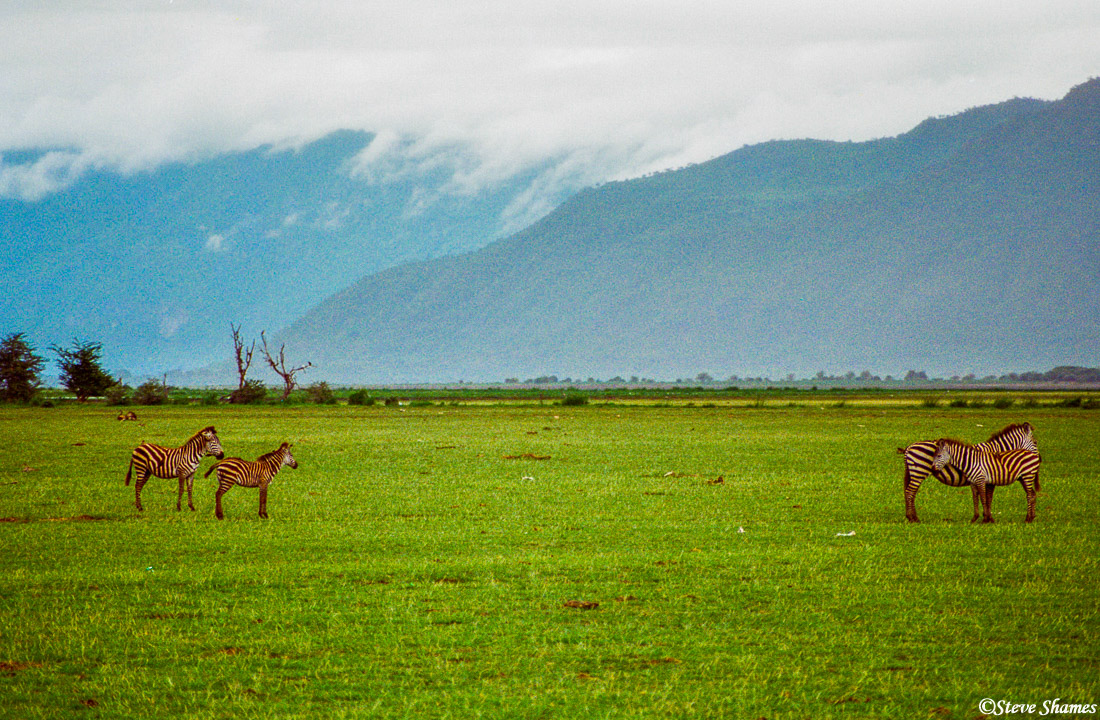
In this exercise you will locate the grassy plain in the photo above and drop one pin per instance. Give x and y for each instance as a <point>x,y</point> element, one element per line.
<point>534,560</point>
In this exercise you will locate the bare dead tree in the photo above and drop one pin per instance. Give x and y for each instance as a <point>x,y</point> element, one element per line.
<point>244,357</point>
<point>280,367</point>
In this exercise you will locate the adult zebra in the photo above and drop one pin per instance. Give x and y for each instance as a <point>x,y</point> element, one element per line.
<point>182,462</point>
<point>235,471</point>
<point>986,470</point>
<point>918,465</point>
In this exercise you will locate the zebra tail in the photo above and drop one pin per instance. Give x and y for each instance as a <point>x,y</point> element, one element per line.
<point>129,470</point>
<point>207,473</point>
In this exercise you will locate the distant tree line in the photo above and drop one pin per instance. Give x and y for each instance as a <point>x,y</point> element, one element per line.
<point>81,372</point>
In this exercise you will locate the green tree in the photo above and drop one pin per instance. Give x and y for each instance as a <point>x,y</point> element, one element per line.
<point>20,368</point>
<point>81,372</point>
<point>152,392</point>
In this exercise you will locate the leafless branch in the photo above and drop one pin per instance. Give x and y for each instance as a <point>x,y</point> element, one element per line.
<point>280,367</point>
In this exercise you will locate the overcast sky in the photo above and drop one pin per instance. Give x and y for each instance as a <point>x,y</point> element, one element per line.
<point>601,88</point>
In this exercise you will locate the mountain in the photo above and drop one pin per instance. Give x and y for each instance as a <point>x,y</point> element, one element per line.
<point>969,244</point>
<point>156,264</point>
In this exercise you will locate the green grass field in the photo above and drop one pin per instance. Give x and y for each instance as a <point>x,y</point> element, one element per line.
<point>411,568</point>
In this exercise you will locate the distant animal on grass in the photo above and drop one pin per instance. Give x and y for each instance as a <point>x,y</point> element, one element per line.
<point>181,463</point>
<point>235,471</point>
<point>918,464</point>
<point>984,470</point>
<point>128,415</point>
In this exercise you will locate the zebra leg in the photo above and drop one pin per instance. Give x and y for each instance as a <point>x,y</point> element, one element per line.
<point>1029,488</point>
<point>977,503</point>
<point>982,485</point>
<point>179,496</point>
<point>222,489</point>
<point>190,484</point>
<point>263,501</point>
<point>912,485</point>
<point>139,483</point>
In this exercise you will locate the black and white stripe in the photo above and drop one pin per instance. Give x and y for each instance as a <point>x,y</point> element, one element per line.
<point>985,470</point>
<point>918,464</point>
<point>235,471</point>
<point>148,459</point>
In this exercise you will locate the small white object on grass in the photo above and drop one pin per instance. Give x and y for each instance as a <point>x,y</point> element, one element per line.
<point>847,534</point>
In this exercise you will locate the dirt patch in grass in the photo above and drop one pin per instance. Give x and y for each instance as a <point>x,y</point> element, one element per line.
<point>10,668</point>
<point>77,518</point>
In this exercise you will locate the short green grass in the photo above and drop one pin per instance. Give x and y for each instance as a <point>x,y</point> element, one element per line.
<point>543,561</point>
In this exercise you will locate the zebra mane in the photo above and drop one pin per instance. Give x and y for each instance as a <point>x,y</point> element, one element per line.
<point>271,455</point>
<point>1025,427</point>
<point>200,433</point>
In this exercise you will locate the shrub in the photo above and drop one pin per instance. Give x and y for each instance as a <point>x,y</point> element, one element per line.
<point>151,392</point>
<point>321,394</point>
<point>1003,403</point>
<point>252,392</point>
<point>360,397</point>
<point>958,403</point>
<point>574,400</point>
<point>118,394</point>
<point>930,403</point>
<point>392,401</point>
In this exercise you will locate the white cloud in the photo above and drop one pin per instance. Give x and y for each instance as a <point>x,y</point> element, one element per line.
<point>603,88</point>
<point>215,243</point>
<point>35,180</point>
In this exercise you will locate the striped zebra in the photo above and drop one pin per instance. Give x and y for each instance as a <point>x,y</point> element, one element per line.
<point>986,470</point>
<point>235,471</point>
<point>918,464</point>
<point>182,462</point>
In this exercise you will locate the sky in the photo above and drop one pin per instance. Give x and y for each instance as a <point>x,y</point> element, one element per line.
<point>583,90</point>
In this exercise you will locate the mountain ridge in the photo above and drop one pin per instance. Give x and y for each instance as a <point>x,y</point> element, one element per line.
<point>778,268</point>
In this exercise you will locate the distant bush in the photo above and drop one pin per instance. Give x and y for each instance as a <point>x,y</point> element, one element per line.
<point>117,394</point>
<point>210,398</point>
<point>930,403</point>
<point>360,397</point>
<point>1003,403</point>
<point>252,392</point>
<point>574,400</point>
<point>392,401</point>
<point>151,392</point>
<point>321,394</point>
<point>958,403</point>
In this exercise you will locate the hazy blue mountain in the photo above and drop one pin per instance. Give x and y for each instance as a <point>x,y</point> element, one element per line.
<point>970,244</point>
<point>155,265</point>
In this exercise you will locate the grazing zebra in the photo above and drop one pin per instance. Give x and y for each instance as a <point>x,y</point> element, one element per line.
<point>986,470</point>
<point>181,462</point>
<point>918,465</point>
<point>235,471</point>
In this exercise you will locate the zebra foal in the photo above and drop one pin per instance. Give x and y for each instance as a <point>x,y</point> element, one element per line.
<point>986,470</point>
<point>182,462</point>
<point>918,464</point>
<point>235,471</point>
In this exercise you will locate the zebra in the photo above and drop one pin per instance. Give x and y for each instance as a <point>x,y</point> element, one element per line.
<point>235,471</point>
<point>182,462</point>
<point>986,470</point>
<point>918,464</point>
